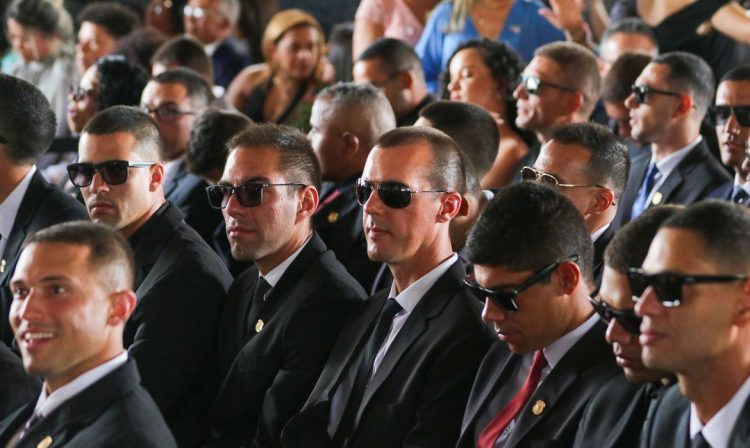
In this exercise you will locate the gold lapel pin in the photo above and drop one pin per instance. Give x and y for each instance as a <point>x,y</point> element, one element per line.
<point>45,443</point>
<point>259,325</point>
<point>657,198</point>
<point>333,217</point>
<point>538,407</point>
<point>2,266</point>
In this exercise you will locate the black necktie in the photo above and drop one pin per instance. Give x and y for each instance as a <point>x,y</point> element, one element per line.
<point>33,420</point>
<point>364,370</point>
<point>699,441</point>
<point>261,288</point>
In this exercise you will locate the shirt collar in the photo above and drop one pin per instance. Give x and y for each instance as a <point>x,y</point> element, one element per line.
<point>410,297</point>
<point>556,350</point>
<point>669,163</point>
<point>10,206</point>
<point>211,48</point>
<point>718,430</point>
<point>599,232</point>
<point>274,275</point>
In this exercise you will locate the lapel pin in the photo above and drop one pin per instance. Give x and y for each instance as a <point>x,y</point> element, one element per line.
<point>657,198</point>
<point>45,443</point>
<point>2,266</point>
<point>259,325</point>
<point>333,217</point>
<point>538,407</point>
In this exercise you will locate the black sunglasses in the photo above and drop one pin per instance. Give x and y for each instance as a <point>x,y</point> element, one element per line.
<point>668,285</point>
<point>506,299</point>
<point>113,172</point>
<point>626,318</point>
<point>248,195</point>
<point>640,91</point>
<point>720,114</point>
<point>531,84</point>
<point>393,194</point>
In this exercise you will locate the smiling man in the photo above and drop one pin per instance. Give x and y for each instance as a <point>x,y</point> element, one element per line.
<point>72,295</point>
<point>532,260</point>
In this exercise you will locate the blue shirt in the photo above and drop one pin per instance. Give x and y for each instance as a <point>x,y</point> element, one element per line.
<point>524,31</point>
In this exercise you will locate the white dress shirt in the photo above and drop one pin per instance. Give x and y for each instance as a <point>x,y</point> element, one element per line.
<point>274,275</point>
<point>718,430</point>
<point>668,164</point>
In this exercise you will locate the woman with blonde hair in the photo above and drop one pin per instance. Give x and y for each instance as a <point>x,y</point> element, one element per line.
<point>282,89</point>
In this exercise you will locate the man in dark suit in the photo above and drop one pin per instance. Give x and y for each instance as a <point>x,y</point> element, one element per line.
<point>282,315</point>
<point>16,386</point>
<point>401,370</point>
<point>73,294</point>
<point>174,99</point>
<point>180,281</point>
<point>667,106</point>
<point>532,257</point>
<point>616,414</point>
<point>27,202</point>
<point>696,323</point>
<point>731,115</point>
<point>589,165</point>
<point>346,121</point>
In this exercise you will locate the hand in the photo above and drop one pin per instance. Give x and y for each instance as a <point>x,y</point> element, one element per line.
<point>566,15</point>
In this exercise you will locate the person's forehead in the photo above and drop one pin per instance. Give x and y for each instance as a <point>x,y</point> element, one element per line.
<point>654,75</point>
<point>89,78</point>
<point>733,93</point>
<point>52,259</point>
<point>252,162</point>
<point>160,93</point>
<point>676,249</point>
<point>564,158</point>
<point>115,146</point>
<point>92,30</point>
<point>371,69</point>
<point>206,4</point>
<point>545,68</point>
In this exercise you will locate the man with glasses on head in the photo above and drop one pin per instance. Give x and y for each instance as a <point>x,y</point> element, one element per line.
<point>667,105</point>
<point>588,165</point>
<point>616,414</point>
<point>174,99</point>
<point>401,370</point>
<point>283,314</point>
<point>532,257</point>
<point>180,282</point>
<point>696,323</point>
<point>731,115</point>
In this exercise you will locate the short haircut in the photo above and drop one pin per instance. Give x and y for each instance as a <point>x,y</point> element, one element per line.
<point>616,86</point>
<point>527,226</point>
<point>231,10</point>
<point>185,51</point>
<point>139,46</point>
<point>197,87</point>
<point>448,171</point>
<point>116,19</point>
<point>27,122</point>
<point>688,72</point>
<point>395,55</point>
<point>207,148</point>
<point>609,164</point>
<point>630,244</point>
<point>132,121</point>
<point>578,68</point>
<point>297,160</point>
<point>109,252</point>
<point>739,73</point>
<point>120,82</point>
<point>504,64</point>
<point>472,127</point>
<point>724,228</point>
<point>630,25</point>
<point>42,15</point>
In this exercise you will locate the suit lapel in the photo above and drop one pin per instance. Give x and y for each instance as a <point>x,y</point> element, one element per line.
<point>637,174</point>
<point>12,423</point>
<point>174,182</point>
<point>678,175</point>
<point>155,235</point>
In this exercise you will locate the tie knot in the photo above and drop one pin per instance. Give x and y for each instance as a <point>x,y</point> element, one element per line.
<point>390,309</point>
<point>539,362</point>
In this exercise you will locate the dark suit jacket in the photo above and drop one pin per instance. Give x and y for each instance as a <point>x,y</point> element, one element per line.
<point>600,245</point>
<point>113,412</point>
<point>272,373</point>
<point>697,175</point>
<point>418,394</point>
<point>188,192</point>
<point>615,416</point>
<point>566,391</point>
<point>722,192</point>
<point>339,224</point>
<point>17,388</point>
<point>42,206</point>
<point>669,423</point>
<point>181,284</point>
<point>228,60</point>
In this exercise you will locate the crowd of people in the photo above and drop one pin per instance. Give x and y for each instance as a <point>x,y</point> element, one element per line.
<point>467,223</point>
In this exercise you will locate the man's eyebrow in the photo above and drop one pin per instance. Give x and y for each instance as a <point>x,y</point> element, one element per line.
<point>247,180</point>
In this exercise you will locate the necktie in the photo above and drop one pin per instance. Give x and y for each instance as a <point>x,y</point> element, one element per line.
<point>648,183</point>
<point>253,324</point>
<point>740,196</point>
<point>364,370</point>
<point>699,441</point>
<point>33,420</point>
<point>506,415</point>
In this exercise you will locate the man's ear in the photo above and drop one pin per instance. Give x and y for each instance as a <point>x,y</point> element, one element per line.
<point>351,142</point>
<point>157,176</point>
<point>123,303</point>
<point>451,206</point>
<point>308,202</point>
<point>569,274</point>
<point>603,199</point>
<point>405,79</point>
<point>742,313</point>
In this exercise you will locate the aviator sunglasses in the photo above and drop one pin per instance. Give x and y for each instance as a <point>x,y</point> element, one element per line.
<point>531,84</point>
<point>247,195</point>
<point>393,194</point>
<point>668,285</point>
<point>626,318</point>
<point>720,114</point>
<point>113,172</point>
<point>506,298</point>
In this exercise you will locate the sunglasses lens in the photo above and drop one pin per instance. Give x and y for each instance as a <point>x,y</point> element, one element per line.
<point>639,93</point>
<point>249,195</point>
<point>394,196</point>
<point>363,190</point>
<point>504,301</point>
<point>114,172</point>
<point>743,115</point>
<point>81,174</point>
<point>531,84</point>
<point>668,288</point>
<point>528,175</point>
<point>629,321</point>
<point>218,195</point>
<point>638,283</point>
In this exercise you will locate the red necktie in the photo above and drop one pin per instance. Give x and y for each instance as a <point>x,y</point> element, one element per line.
<point>491,433</point>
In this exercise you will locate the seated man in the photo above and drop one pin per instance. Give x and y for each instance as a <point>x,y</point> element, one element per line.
<point>532,256</point>
<point>72,295</point>
<point>696,323</point>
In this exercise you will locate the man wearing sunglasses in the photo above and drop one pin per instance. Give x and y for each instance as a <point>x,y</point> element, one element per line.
<point>174,99</point>
<point>696,323</point>
<point>616,414</point>
<point>589,165</point>
<point>532,257</point>
<point>283,314</point>
<point>731,115</point>
<point>27,202</point>
<point>667,105</point>
<point>180,281</point>
<point>400,372</point>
